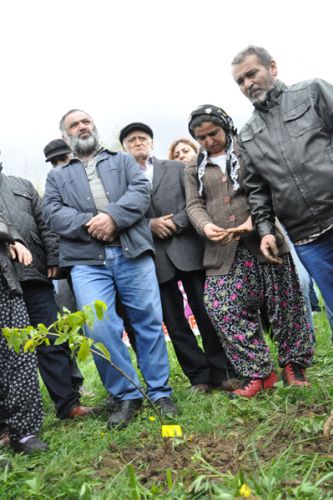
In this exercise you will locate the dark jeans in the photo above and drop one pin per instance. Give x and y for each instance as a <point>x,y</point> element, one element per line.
<point>58,369</point>
<point>210,366</point>
<point>317,258</point>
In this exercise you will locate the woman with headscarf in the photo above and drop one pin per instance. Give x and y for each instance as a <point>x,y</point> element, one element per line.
<point>239,281</point>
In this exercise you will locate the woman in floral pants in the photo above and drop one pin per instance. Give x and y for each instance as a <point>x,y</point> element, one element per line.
<point>239,282</point>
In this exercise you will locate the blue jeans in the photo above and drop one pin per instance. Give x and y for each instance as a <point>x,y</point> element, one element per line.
<point>329,314</point>
<point>136,282</point>
<point>304,281</point>
<point>317,258</point>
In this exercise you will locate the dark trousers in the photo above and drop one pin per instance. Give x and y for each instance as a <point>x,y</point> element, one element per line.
<point>210,366</point>
<point>120,310</point>
<point>58,369</point>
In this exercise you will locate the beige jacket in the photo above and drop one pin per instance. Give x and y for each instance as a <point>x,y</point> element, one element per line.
<point>219,205</point>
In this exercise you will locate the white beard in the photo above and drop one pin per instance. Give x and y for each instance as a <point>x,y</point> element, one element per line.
<point>82,147</point>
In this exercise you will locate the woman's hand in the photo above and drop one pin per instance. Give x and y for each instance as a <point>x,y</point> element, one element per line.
<point>244,228</point>
<point>216,233</point>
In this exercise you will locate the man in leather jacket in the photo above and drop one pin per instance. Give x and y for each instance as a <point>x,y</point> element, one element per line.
<point>22,205</point>
<point>287,150</point>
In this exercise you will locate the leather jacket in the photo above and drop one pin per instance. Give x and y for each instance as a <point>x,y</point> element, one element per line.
<point>23,207</point>
<point>7,273</point>
<point>287,150</point>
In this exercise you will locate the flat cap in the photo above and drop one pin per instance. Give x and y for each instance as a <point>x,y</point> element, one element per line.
<point>131,127</point>
<point>56,148</point>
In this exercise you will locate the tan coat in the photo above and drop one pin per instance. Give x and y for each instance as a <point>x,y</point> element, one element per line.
<point>219,205</point>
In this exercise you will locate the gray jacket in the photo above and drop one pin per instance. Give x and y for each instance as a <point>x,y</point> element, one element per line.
<point>184,249</point>
<point>69,205</point>
<point>287,149</point>
<point>23,207</point>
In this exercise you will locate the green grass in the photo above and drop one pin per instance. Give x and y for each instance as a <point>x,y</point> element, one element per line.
<point>272,444</point>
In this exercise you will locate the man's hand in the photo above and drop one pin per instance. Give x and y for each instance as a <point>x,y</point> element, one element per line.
<point>163,227</point>
<point>216,233</point>
<point>53,272</point>
<point>269,249</point>
<point>237,232</point>
<point>20,253</point>
<point>102,227</point>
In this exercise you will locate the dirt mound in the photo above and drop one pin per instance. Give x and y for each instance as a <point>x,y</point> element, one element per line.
<point>152,458</point>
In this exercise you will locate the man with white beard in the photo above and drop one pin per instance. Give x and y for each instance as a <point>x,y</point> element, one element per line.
<point>97,205</point>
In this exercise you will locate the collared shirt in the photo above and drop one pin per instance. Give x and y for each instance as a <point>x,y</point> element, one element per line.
<point>95,183</point>
<point>97,189</point>
<point>148,170</point>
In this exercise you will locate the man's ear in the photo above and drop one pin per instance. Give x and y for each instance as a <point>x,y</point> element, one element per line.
<point>273,68</point>
<point>65,138</point>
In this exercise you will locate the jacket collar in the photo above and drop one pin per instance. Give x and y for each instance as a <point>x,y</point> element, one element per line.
<point>159,172</point>
<point>101,151</point>
<point>273,97</point>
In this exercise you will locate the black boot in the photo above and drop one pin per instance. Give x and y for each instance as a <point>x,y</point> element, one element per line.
<point>123,412</point>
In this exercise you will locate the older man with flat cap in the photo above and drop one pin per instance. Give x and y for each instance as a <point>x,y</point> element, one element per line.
<point>179,256</point>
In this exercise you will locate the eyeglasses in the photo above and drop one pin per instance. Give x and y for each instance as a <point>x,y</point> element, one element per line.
<point>213,133</point>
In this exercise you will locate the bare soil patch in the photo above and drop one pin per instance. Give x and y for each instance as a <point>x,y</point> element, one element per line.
<point>229,453</point>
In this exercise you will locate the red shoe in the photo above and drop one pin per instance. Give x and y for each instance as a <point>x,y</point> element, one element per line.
<point>251,387</point>
<point>81,411</point>
<point>295,375</point>
<point>270,381</point>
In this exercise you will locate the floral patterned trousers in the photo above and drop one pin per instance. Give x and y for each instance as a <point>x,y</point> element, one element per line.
<point>233,301</point>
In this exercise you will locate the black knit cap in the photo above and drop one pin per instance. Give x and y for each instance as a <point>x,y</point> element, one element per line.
<point>131,127</point>
<point>210,111</point>
<point>56,148</point>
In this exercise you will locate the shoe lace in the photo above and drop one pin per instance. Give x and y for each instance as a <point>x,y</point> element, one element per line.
<point>166,403</point>
<point>297,371</point>
<point>246,383</point>
<point>163,400</point>
<point>121,404</point>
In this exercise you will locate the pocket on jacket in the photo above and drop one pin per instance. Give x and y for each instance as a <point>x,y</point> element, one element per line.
<point>299,119</point>
<point>23,199</point>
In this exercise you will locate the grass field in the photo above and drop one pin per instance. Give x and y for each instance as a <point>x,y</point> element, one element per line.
<point>270,447</point>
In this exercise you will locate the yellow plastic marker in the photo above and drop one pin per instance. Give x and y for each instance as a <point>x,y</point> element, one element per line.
<point>245,491</point>
<point>170,431</point>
